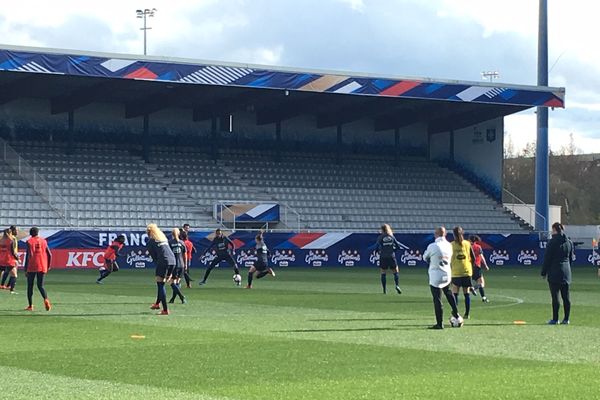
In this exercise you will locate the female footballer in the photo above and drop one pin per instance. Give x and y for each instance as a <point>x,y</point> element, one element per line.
<point>262,263</point>
<point>179,251</point>
<point>159,250</point>
<point>9,257</point>
<point>37,265</point>
<point>478,267</point>
<point>387,246</point>
<point>462,267</point>
<point>110,258</point>
<point>189,251</point>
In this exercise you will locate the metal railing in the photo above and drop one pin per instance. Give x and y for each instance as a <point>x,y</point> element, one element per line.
<point>62,207</point>
<point>516,201</point>
<point>223,213</point>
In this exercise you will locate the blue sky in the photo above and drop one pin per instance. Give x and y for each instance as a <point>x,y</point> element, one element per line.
<point>454,39</point>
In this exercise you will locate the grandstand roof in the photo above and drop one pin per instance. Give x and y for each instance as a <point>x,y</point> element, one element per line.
<point>145,84</point>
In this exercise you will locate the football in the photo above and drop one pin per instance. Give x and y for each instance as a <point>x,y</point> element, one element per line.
<point>237,279</point>
<point>456,322</point>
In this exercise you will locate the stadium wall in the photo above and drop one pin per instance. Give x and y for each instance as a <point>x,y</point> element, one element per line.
<point>84,249</point>
<point>476,151</point>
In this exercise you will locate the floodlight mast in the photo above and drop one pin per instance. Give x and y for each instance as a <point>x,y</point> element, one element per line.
<point>144,14</point>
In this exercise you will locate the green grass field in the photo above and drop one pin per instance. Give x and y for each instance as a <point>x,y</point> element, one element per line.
<point>308,334</point>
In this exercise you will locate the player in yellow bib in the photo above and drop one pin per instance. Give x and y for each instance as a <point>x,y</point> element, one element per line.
<point>462,267</point>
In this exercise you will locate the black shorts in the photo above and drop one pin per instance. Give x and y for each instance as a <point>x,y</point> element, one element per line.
<point>462,281</point>
<point>388,263</point>
<point>261,265</point>
<point>163,271</point>
<point>111,265</point>
<point>177,272</point>
<point>6,268</point>
<point>224,257</point>
<point>477,273</point>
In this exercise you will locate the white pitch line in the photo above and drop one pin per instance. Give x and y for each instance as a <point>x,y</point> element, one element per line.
<point>516,300</point>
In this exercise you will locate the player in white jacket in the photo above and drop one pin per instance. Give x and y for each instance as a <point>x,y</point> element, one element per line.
<point>438,255</point>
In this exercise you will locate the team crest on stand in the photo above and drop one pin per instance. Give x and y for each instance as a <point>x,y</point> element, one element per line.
<point>316,258</point>
<point>411,257</point>
<point>594,258</point>
<point>374,257</point>
<point>138,259</point>
<point>283,258</point>
<point>208,257</point>
<point>527,257</point>
<point>499,257</point>
<point>247,258</point>
<point>349,258</point>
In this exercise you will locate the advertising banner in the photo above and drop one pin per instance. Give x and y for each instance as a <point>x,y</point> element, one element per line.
<point>85,249</point>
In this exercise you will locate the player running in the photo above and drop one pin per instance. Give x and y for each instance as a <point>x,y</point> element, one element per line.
<point>9,258</point>
<point>225,250</point>
<point>179,251</point>
<point>110,258</point>
<point>462,267</point>
<point>262,263</point>
<point>387,246</point>
<point>189,250</point>
<point>37,265</point>
<point>479,264</point>
<point>159,250</point>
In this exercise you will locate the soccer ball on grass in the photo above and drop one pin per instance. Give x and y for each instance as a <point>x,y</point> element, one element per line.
<point>237,279</point>
<point>456,322</point>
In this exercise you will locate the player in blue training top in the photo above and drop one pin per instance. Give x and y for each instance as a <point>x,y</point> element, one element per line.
<point>262,263</point>
<point>387,246</point>
<point>179,251</point>
<point>225,250</point>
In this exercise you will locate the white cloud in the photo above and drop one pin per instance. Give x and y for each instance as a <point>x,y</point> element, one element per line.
<point>356,5</point>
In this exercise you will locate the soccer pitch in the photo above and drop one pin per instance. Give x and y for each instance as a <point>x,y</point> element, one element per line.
<point>307,334</point>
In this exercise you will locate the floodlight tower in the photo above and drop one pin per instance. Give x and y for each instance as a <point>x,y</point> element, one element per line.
<point>542,180</point>
<point>144,14</point>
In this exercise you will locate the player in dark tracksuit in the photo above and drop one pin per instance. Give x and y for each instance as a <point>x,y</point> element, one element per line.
<point>180,253</point>
<point>262,263</point>
<point>387,246</point>
<point>225,249</point>
<point>160,251</point>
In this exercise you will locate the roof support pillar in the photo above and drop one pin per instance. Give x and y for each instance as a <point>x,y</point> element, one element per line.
<point>70,132</point>
<point>146,139</point>
<point>340,140</point>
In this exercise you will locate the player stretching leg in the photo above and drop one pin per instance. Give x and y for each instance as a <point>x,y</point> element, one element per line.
<point>477,267</point>
<point>110,258</point>
<point>37,265</point>
<point>189,250</point>
<point>9,257</point>
<point>462,267</point>
<point>386,246</point>
<point>262,262</point>
<point>179,251</point>
<point>225,250</point>
<point>158,247</point>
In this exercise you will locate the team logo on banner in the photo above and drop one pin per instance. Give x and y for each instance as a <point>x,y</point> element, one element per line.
<point>527,257</point>
<point>138,259</point>
<point>247,258</point>
<point>349,258</point>
<point>594,258</point>
<point>283,258</point>
<point>411,257</point>
<point>208,257</point>
<point>374,258</point>
<point>316,258</point>
<point>499,257</point>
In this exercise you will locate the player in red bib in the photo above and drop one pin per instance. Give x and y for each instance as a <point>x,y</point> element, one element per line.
<point>189,250</point>
<point>37,265</point>
<point>9,258</point>
<point>110,258</point>
<point>478,267</point>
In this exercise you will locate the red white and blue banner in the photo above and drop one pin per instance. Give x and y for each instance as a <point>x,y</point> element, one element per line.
<point>247,212</point>
<point>185,72</point>
<point>84,249</point>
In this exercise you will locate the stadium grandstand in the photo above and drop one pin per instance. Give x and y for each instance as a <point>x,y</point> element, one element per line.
<point>96,140</point>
